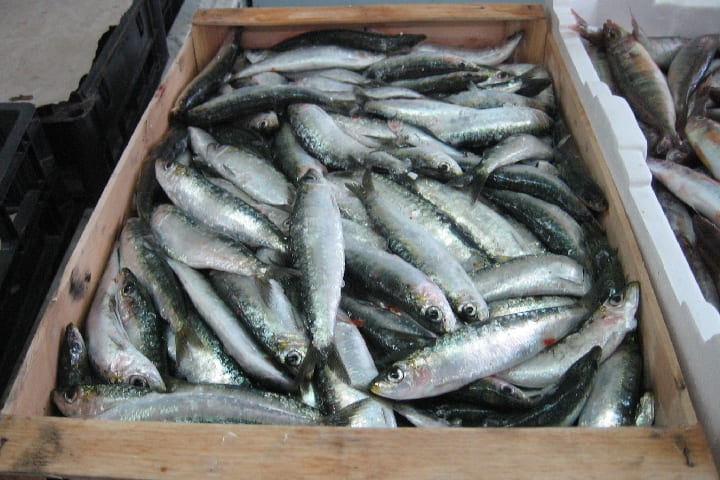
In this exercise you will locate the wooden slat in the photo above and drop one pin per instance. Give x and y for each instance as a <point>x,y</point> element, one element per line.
<point>358,15</point>
<point>147,450</point>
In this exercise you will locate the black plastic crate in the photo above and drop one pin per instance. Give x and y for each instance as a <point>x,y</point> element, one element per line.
<point>37,219</point>
<point>89,132</point>
<point>170,9</point>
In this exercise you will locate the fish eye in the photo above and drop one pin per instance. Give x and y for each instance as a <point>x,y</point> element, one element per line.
<point>616,299</point>
<point>444,167</point>
<point>138,381</point>
<point>287,222</point>
<point>395,375</point>
<point>293,358</point>
<point>501,75</point>
<point>168,164</point>
<point>71,394</point>
<point>263,124</point>
<point>433,314</point>
<point>309,177</point>
<point>506,389</point>
<point>128,289</point>
<point>469,310</point>
<point>75,348</point>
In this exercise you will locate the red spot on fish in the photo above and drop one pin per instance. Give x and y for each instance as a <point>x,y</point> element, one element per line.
<point>549,341</point>
<point>358,322</point>
<point>393,309</point>
<point>238,312</point>
<point>160,90</point>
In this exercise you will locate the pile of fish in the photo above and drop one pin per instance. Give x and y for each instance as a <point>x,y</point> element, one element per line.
<point>362,229</point>
<point>673,87</point>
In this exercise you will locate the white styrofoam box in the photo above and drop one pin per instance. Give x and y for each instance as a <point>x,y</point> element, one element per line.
<point>694,324</point>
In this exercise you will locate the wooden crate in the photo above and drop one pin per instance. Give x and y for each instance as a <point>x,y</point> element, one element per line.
<point>32,443</point>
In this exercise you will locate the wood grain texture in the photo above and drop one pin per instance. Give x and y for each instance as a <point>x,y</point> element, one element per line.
<point>145,450</point>
<point>38,445</point>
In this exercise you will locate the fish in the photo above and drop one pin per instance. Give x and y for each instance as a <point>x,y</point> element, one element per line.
<point>189,403</point>
<point>318,251</point>
<point>508,306</point>
<point>704,136</point>
<point>262,306</point>
<point>73,364</point>
<point>135,309</point>
<point>562,406</point>
<point>217,208</point>
<point>292,158</point>
<point>111,353</point>
<point>400,283</point>
<point>475,350</point>
<point>417,64</point>
<point>196,245</point>
<point>533,275</point>
<point>699,191</point>
<point>349,38</point>
<point>253,174</point>
<point>313,57</point>
<point>489,56</point>
<point>640,80</point>
<point>606,327</point>
<point>236,340</point>
<point>687,69</point>
<point>616,391</point>
<point>662,49</point>
<point>414,244</point>
<point>209,79</point>
<point>645,412</point>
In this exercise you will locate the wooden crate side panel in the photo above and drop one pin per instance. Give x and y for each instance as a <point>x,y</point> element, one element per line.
<point>30,392</point>
<point>660,362</point>
<point>109,449</point>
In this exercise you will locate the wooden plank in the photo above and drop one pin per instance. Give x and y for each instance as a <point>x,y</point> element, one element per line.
<point>358,15</point>
<point>30,393</point>
<point>660,362</point>
<point>109,449</point>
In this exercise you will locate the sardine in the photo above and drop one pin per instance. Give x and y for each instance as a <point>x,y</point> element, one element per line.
<point>292,158</point>
<point>236,341</point>
<point>73,364</point>
<point>606,327</point>
<point>699,191</point>
<point>216,208</point>
<point>251,173</point>
<point>413,243</point>
<point>533,275</point>
<point>360,39</point>
<point>493,55</point>
<point>614,396</point>
<point>704,136</point>
<point>319,253</point>
<point>474,351</point>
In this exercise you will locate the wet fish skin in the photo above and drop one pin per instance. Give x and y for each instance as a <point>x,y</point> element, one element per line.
<point>661,49</point>
<point>614,397</point>
<point>216,208</point>
<point>473,351</point>
<point>562,406</point>
<point>253,174</point>
<point>252,99</point>
<point>687,69</point>
<point>73,364</point>
<point>493,392</point>
<point>699,191</point>
<point>135,309</point>
<point>236,341</point>
<point>509,306</point>
<point>533,275</point>
<point>402,284</point>
<point>645,414</point>
<point>187,241</point>
<point>111,353</point>
<point>704,136</point>
<point>196,403</point>
<point>207,81</point>
<point>490,56</point>
<point>418,64</point>
<point>292,157</point>
<point>312,58</point>
<point>263,307</point>
<point>414,244</point>
<point>640,80</point>
<point>569,163</point>
<point>551,224</point>
<point>319,253</point>
<point>606,327</point>
<point>349,38</point>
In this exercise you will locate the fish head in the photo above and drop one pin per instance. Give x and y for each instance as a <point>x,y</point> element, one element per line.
<point>166,169</point>
<point>79,401</point>
<point>613,33</point>
<point>200,140</point>
<point>74,344</point>
<point>437,314</point>
<point>404,380</point>
<point>265,122</point>
<point>135,369</point>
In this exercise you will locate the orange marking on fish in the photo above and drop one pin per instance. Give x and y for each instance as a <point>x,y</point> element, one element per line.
<point>358,322</point>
